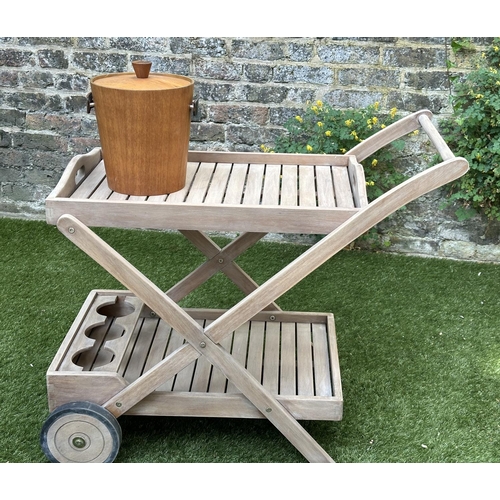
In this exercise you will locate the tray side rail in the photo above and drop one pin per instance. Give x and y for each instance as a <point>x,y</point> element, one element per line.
<point>79,167</point>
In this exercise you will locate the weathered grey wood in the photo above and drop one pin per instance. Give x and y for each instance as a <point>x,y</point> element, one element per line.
<point>385,136</point>
<point>271,189</point>
<point>264,158</point>
<point>322,370</point>
<point>236,184</point>
<point>289,186</point>
<point>288,374</point>
<point>305,376</point>
<point>326,197</point>
<point>253,187</point>
<point>168,310</point>
<point>239,351</point>
<point>270,377</point>
<point>217,189</point>
<point>219,260</point>
<point>78,168</point>
<point>358,183</point>
<point>307,187</point>
<point>435,137</point>
<point>180,196</point>
<point>357,225</point>
<point>230,191</point>
<point>343,191</point>
<point>200,183</point>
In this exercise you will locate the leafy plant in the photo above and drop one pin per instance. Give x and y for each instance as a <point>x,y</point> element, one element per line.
<point>324,129</point>
<point>473,131</point>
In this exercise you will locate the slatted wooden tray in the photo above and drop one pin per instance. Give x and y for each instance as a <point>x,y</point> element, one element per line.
<point>224,192</point>
<point>115,339</point>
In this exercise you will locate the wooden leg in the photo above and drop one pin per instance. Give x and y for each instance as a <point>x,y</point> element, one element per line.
<point>199,344</point>
<point>219,260</point>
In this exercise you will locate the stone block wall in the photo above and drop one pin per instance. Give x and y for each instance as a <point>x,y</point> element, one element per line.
<point>247,89</point>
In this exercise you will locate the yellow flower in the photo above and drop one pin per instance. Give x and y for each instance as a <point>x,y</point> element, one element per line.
<point>374,162</point>
<point>328,133</point>
<point>320,124</point>
<point>370,183</point>
<point>382,126</point>
<point>415,132</point>
<point>479,96</point>
<point>299,119</point>
<point>393,112</point>
<point>376,106</point>
<point>315,109</point>
<point>343,150</point>
<point>496,49</point>
<point>309,148</point>
<point>374,120</point>
<point>349,122</point>
<point>319,103</point>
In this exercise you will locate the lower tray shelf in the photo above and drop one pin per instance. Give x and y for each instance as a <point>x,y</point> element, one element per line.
<point>115,339</point>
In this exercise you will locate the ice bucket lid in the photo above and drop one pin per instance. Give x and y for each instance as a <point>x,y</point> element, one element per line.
<point>142,79</point>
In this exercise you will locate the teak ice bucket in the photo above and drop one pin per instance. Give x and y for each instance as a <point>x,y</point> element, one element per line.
<point>144,126</point>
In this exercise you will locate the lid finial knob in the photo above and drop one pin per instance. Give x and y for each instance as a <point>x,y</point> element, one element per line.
<point>141,68</point>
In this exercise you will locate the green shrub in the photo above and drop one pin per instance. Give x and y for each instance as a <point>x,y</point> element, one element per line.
<point>324,129</point>
<point>473,131</point>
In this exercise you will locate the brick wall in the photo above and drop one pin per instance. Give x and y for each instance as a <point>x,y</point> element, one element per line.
<point>247,88</point>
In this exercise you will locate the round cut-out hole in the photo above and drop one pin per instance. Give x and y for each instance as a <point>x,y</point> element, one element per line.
<point>117,310</point>
<point>88,359</point>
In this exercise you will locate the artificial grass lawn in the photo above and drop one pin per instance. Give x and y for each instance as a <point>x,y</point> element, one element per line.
<point>418,340</point>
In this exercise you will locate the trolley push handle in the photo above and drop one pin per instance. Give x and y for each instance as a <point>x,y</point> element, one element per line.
<point>404,126</point>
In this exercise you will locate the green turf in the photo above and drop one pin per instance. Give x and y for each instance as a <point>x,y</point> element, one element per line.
<point>418,339</point>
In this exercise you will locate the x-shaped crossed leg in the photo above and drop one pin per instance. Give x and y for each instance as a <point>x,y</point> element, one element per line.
<point>219,260</point>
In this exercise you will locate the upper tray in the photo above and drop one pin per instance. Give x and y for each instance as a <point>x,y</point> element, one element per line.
<point>283,193</point>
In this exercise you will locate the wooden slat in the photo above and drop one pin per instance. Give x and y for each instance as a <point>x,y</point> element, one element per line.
<point>270,378</point>
<point>174,343</point>
<point>200,183</point>
<point>135,366</point>
<point>180,196</point>
<point>305,380</point>
<point>289,186</point>
<point>218,380</point>
<point>160,342</point>
<point>103,192</point>
<point>358,183</point>
<point>217,188</point>
<point>90,183</point>
<point>201,378</point>
<point>264,158</point>
<point>271,189</point>
<point>256,349</point>
<point>342,186</point>
<point>236,184</point>
<point>115,196</point>
<point>253,188</point>
<point>184,378</point>
<point>322,371</point>
<point>288,374</point>
<point>239,351</point>
<point>307,188</point>
<point>326,194</point>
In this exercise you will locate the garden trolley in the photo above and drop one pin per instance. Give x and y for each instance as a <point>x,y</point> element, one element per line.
<point>137,352</point>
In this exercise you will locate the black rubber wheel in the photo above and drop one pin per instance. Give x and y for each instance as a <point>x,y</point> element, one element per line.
<point>81,432</point>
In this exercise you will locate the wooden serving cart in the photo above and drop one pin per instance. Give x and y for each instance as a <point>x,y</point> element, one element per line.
<point>137,352</point>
